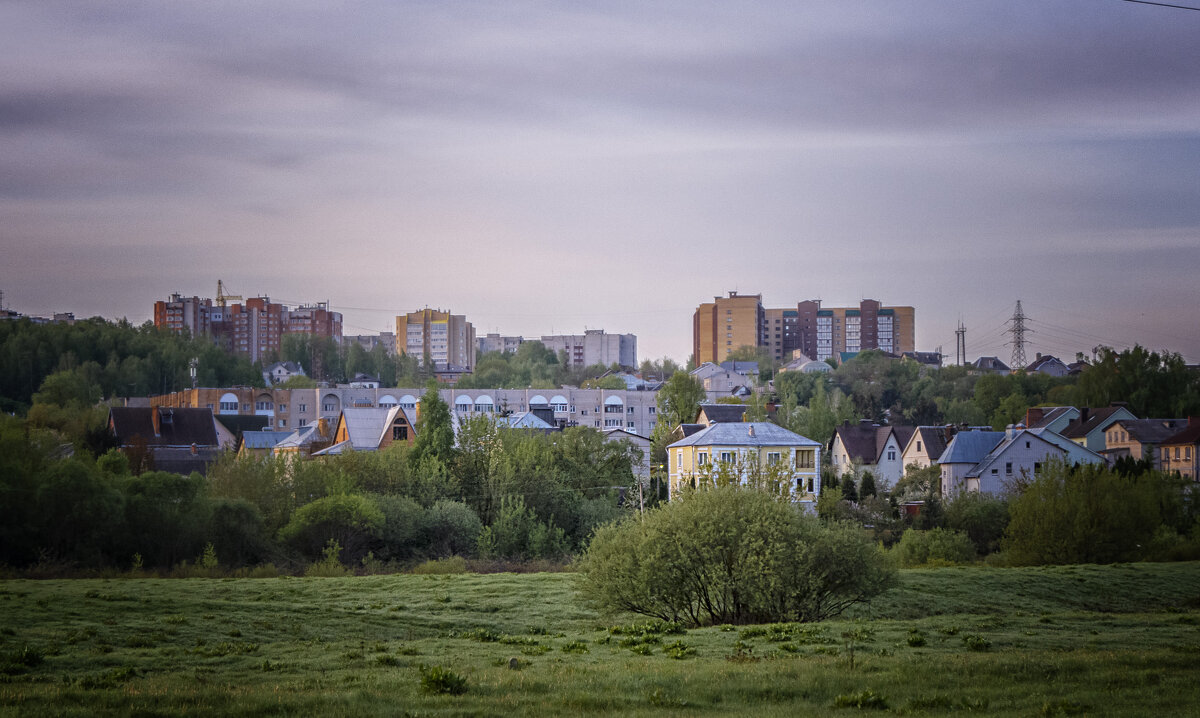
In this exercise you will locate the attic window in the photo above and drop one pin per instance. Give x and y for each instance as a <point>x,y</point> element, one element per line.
<point>918,446</point>
<point>1026,444</point>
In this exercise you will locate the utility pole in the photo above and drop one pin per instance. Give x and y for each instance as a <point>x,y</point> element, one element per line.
<point>1017,330</point>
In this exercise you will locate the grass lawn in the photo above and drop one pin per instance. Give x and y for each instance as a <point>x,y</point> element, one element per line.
<point>1081,640</point>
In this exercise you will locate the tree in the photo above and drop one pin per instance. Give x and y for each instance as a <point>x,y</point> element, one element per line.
<point>982,517</point>
<point>732,555</point>
<point>679,400</point>
<point>1086,515</point>
<point>352,520</point>
<point>435,432</point>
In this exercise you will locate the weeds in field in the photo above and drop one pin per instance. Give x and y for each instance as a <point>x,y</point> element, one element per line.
<point>864,699</point>
<point>438,680</point>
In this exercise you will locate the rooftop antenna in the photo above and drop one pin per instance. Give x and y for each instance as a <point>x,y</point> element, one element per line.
<point>960,344</point>
<point>1017,330</point>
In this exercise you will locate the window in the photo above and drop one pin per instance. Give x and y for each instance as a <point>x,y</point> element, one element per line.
<point>283,407</point>
<point>246,406</point>
<point>1187,452</point>
<point>283,422</point>
<point>1026,444</point>
<point>918,446</point>
<point>891,454</point>
<point>262,406</point>
<point>651,409</point>
<point>1176,452</point>
<point>629,425</point>
<point>303,408</point>
<point>810,484</point>
<point>229,406</point>
<point>1008,468</point>
<point>328,406</point>
<point>772,458</point>
<point>995,472</point>
<point>727,456</point>
<point>629,410</point>
<point>1037,468</point>
<point>805,458</point>
<point>302,423</point>
<point>400,433</point>
<point>702,459</point>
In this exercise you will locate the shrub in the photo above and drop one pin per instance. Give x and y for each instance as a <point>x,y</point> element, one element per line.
<point>442,681</point>
<point>732,555</point>
<point>981,517</point>
<point>943,546</point>
<point>454,564</point>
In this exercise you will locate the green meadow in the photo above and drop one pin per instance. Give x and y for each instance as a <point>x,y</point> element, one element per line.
<point>1077,640</point>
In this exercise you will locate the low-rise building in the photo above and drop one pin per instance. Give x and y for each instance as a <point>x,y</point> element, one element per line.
<point>1180,452</point>
<point>863,447</point>
<point>757,452</point>
<point>1140,439</point>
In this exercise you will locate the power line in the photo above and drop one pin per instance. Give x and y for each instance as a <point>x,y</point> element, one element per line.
<point>1163,4</point>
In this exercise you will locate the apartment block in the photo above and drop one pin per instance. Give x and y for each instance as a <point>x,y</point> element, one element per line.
<point>179,314</point>
<point>254,328</point>
<point>494,342</point>
<point>595,346</point>
<point>819,332</point>
<point>448,340</point>
<point>726,323</point>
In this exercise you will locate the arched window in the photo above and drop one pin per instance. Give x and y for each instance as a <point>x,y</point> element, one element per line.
<point>387,401</point>
<point>408,401</point>
<point>484,403</point>
<point>558,402</point>
<point>229,403</point>
<point>463,403</point>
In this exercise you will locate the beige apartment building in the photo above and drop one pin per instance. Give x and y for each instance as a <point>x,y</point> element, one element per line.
<point>818,332</point>
<point>448,340</point>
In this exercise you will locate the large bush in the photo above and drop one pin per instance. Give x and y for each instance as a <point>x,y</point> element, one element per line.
<point>1089,514</point>
<point>732,555</point>
<point>919,548</point>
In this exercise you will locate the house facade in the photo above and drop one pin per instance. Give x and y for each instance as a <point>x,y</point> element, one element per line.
<point>746,453</point>
<point>1181,451</point>
<point>862,447</point>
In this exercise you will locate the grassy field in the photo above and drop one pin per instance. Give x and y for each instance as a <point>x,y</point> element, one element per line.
<point>1085,640</point>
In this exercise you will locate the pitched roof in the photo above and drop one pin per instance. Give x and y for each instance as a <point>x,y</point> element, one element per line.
<point>740,367</point>
<point>990,364</point>
<point>1089,420</point>
<point>175,426</point>
<point>750,433</point>
<point>1190,434</point>
<point>306,436</point>
<point>1039,416</point>
<point>933,439</point>
<point>721,413</point>
<point>524,420</point>
<point>263,439</point>
<point>1044,361</point>
<point>1152,431</point>
<point>241,423</point>
<point>367,426</point>
<point>866,442</point>
<point>969,447</point>
<point>998,451</point>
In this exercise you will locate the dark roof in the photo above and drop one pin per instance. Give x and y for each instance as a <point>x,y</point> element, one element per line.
<point>175,426</point>
<point>934,439</point>
<point>1044,360</point>
<point>990,364</point>
<point>1152,431</point>
<point>865,442</point>
<point>1038,416</point>
<point>182,460</point>
<point>1089,420</point>
<point>1190,435</point>
<point>740,367</point>
<point>238,424</point>
<point>689,429</point>
<point>721,413</point>
<point>929,358</point>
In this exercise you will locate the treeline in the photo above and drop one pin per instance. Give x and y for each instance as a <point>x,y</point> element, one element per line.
<point>497,493</point>
<point>874,386</point>
<point>94,359</point>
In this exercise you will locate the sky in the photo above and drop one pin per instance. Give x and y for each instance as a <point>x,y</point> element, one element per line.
<point>549,167</point>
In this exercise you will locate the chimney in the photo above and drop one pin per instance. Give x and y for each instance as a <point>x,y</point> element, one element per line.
<point>752,431</point>
<point>1083,415</point>
<point>1034,416</point>
<point>1010,431</point>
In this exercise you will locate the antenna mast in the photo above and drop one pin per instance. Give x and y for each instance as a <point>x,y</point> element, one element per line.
<point>960,344</point>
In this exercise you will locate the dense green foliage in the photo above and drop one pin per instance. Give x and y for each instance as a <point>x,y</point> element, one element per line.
<point>500,492</point>
<point>732,555</point>
<point>78,364</point>
<point>935,546</point>
<point>1114,640</point>
<point>1093,514</point>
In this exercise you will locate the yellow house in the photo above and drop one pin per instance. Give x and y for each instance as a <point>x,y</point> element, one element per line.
<point>1181,452</point>
<point>751,453</point>
<point>372,429</point>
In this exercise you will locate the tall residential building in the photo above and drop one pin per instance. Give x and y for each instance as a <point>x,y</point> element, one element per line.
<point>723,325</point>
<point>726,323</point>
<point>447,339</point>
<point>595,346</point>
<point>180,313</point>
<point>254,328</point>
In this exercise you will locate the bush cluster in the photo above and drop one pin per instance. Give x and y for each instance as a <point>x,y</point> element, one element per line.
<point>732,555</point>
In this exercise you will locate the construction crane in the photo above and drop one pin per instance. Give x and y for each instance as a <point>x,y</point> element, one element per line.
<point>222,296</point>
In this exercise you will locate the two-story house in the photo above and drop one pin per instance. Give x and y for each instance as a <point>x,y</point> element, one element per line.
<point>746,452</point>
<point>861,447</point>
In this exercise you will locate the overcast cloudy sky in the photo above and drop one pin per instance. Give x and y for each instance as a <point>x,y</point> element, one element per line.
<point>545,167</point>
